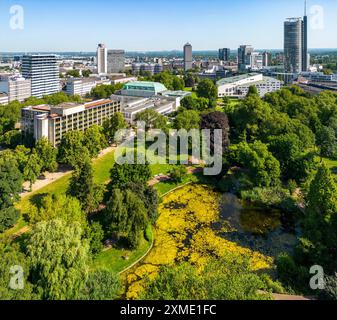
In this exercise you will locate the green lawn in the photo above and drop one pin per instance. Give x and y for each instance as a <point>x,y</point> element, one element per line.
<point>117,260</point>
<point>194,94</point>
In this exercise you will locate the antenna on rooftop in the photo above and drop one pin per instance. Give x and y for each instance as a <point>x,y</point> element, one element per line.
<point>305,8</point>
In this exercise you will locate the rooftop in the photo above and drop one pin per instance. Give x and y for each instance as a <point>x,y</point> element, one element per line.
<point>236,78</point>
<point>145,85</point>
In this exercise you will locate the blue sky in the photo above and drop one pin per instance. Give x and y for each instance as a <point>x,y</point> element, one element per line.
<point>141,25</point>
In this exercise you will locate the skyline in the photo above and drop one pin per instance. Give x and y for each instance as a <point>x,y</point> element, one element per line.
<point>80,26</point>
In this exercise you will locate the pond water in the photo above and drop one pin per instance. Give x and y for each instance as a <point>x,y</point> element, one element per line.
<point>197,223</point>
<point>267,230</point>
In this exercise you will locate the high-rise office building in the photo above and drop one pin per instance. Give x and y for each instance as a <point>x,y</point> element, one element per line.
<point>266,59</point>
<point>224,54</point>
<point>188,57</point>
<point>43,72</point>
<point>116,61</point>
<point>296,44</point>
<point>102,59</point>
<point>244,58</point>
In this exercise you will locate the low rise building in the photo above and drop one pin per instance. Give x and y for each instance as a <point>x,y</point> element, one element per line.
<point>16,87</point>
<point>52,122</point>
<point>238,86</point>
<point>83,86</point>
<point>143,89</point>
<point>131,106</point>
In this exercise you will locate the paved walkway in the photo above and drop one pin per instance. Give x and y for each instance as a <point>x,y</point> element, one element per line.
<point>49,178</point>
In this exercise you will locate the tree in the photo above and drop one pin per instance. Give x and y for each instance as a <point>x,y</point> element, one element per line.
<point>11,257</point>
<point>187,119</point>
<point>217,121</point>
<point>194,103</point>
<point>178,173</point>
<point>101,285</point>
<point>252,91</point>
<point>74,73</point>
<point>59,259</point>
<point>86,73</point>
<point>83,188</point>
<point>72,149</point>
<point>207,89</point>
<point>327,141</point>
<point>94,140</point>
<point>123,174</point>
<point>8,217</point>
<point>52,207</point>
<point>219,280</point>
<point>22,155</point>
<point>112,125</point>
<point>95,234</point>
<point>10,182</point>
<point>263,168</point>
<point>178,84</point>
<point>127,217</point>
<point>320,223</point>
<point>47,154</point>
<point>148,195</point>
<point>33,169</point>
<point>152,119</point>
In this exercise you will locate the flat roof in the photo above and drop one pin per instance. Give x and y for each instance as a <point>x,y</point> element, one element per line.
<point>156,86</point>
<point>236,78</point>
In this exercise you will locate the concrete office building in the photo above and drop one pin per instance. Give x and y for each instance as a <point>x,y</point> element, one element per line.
<point>141,68</point>
<point>83,86</point>
<point>43,72</point>
<point>266,59</point>
<point>3,98</point>
<point>52,122</point>
<point>224,54</point>
<point>188,57</point>
<point>296,58</point>
<point>16,87</point>
<point>102,59</point>
<point>239,86</point>
<point>131,106</point>
<point>116,61</point>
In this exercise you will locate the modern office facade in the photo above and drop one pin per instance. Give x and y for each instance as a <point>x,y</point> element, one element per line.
<point>224,54</point>
<point>116,61</point>
<point>141,68</point>
<point>188,57</point>
<point>83,86</point>
<point>102,59</point>
<point>244,59</point>
<point>43,72</point>
<point>52,122</point>
<point>16,87</point>
<point>266,59</point>
<point>296,57</point>
<point>238,86</point>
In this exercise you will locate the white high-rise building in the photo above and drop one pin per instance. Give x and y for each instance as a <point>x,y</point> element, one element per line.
<point>188,57</point>
<point>102,59</point>
<point>43,72</point>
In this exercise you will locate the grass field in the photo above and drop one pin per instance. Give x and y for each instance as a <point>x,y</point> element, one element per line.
<point>117,260</point>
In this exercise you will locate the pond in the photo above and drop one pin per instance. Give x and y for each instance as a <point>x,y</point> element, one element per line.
<point>197,223</point>
<point>267,230</point>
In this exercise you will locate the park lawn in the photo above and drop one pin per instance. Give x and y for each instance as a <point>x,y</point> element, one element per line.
<point>114,259</point>
<point>194,94</point>
<point>101,168</point>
